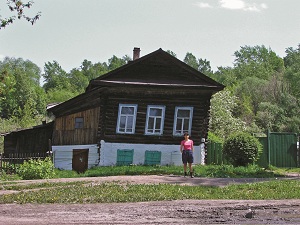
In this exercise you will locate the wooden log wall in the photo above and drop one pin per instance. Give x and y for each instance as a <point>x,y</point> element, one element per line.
<point>34,140</point>
<point>108,121</point>
<point>65,132</point>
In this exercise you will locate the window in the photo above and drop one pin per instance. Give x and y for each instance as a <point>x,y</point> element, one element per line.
<point>182,120</point>
<point>126,119</point>
<point>78,122</point>
<point>155,120</point>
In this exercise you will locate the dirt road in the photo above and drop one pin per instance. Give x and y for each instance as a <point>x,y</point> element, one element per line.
<point>162,212</point>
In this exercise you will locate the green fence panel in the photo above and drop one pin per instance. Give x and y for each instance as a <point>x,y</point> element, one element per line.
<point>263,160</point>
<point>283,149</point>
<point>214,153</point>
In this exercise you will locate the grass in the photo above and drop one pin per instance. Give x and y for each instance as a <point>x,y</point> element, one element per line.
<point>88,192</point>
<point>224,171</point>
<point>20,187</point>
<point>221,171</point>
<point>114,192</point>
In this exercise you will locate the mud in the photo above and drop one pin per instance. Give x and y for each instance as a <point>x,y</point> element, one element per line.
<point>161,212</point>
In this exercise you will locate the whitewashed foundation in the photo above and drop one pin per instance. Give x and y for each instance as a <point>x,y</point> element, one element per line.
<point>170,154</point>
<point>63,154</point>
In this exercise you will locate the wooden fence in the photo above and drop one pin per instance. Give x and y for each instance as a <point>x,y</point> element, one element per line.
<point>10,162</point>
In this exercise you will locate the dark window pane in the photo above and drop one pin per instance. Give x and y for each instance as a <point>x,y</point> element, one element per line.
<point>178,124</point>
<point>150,124</point>
<point>155,112</point>
<point>122,122</point>
<point>186,125</point>
<point>127,110</point>
<point>130,122</point>
<point>183,113</point>
<point>158,121</point>
<point>79,122</point>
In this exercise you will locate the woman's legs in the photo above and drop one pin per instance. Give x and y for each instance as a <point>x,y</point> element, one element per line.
<point>191,170</point>
<point>190,167</point>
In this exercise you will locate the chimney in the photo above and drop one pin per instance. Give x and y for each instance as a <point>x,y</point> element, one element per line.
<point>136,53</point>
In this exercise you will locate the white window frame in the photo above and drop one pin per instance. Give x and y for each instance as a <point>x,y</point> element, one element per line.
<point>127,116</point>
<point>162,117</point>
<point>175,132</point>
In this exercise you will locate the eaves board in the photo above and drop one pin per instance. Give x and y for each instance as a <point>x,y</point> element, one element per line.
<point>81,102</point>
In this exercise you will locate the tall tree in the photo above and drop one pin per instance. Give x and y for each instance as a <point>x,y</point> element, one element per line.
<point>55,77</point>
<point>204,66</point>
<point>226,76</point>
<point>292,73</point>
<point>222,120</point>
<point>17,9</point>
<point>79,78</point>
<point>200,64</point>
<point>92,71</point>
<point>115,62</point>
<point>191,60</point>
<point>172,53</point>
<point>257,61</point>
<point>57,83</point>
<point>20,85</point>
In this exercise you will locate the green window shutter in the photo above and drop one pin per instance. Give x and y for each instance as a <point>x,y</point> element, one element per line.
<point>124,157</point>
<point>152,157</point>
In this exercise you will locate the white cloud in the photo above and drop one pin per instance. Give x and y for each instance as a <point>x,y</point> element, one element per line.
<point>263,6</point>
<point>242,5</point>
<point>203,5</point>
<point>1,57</point>
<point>232,4</point>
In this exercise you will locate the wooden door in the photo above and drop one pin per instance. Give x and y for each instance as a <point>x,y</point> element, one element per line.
<point>80,160</point>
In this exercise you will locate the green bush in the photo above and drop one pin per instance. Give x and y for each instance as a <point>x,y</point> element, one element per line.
<point>214,138</point>
<point>36,169</point>
<point>241,149</point>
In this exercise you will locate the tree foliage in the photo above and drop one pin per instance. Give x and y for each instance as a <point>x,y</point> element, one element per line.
<point>222,121</point>
<point>201,65</point>
<point>20,86</point>
<point>17,8</point>
<point>292,73</point>
<point>241,149</point>
<point>61,86</point>
<point>262,89</point>
<point>257,61</point>
<point>264,85</point>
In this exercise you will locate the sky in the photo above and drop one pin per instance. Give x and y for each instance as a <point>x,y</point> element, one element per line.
<point>70,31</point>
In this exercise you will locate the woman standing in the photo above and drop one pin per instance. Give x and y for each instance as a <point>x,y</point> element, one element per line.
<point>187,149</point>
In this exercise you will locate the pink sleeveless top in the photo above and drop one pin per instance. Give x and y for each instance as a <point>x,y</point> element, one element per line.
<point>187,145</point>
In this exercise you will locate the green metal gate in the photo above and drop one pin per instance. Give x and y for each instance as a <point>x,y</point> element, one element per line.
<point>282,149</point>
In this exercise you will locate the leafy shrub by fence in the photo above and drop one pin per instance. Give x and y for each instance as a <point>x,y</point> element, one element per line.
<point>36,169</point>
<point>10,163</point>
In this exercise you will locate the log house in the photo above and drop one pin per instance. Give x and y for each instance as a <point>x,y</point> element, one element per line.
<point>135,114</point>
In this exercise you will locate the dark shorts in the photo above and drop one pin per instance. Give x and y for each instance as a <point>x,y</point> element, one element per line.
<point>187,156</point>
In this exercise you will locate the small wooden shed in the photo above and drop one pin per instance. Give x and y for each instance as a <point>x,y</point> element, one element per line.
<point>136,114</point>
<point>32,140</point>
